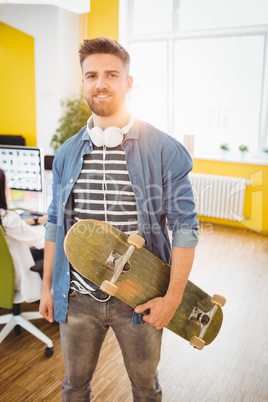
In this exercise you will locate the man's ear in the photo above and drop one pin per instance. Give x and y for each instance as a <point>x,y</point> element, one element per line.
<point>129,83</point>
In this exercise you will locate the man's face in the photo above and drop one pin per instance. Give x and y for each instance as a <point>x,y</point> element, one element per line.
<point>105,83</point>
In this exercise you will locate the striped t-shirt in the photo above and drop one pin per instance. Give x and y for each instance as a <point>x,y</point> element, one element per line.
<point>103,191</point>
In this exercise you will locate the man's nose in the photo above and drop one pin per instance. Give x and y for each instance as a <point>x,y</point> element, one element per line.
<point>101,83</point>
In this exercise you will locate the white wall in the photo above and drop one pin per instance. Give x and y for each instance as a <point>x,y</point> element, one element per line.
<point>56,38</point>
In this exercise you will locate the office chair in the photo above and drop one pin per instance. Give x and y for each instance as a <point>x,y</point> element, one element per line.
<point>7,293</point>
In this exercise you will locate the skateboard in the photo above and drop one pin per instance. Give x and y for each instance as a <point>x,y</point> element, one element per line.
<point>123,268</point>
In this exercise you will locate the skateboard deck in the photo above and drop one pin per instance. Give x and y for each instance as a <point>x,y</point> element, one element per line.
<point>93,247</point>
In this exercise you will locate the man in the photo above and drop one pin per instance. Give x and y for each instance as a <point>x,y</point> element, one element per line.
<point>133,176</point>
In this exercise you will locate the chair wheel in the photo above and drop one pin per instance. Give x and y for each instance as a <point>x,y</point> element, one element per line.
<point>49,352</point>
<point>136,240</point>
<point>109,287</point>
<point>17,330</point>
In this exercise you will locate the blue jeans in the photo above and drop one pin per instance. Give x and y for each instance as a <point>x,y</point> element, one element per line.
<point>82,336</point>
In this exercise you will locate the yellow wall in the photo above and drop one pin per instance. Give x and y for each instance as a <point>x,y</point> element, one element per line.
<point>103,20</point>
<point>256,202</point>
<point>17,84</point>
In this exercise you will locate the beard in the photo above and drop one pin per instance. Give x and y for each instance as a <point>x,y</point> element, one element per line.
<point>103,109</point>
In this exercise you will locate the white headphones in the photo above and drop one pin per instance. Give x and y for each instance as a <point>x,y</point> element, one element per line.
<point>110,137</point>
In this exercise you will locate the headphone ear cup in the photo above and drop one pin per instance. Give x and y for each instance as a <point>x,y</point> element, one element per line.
<point>112,137</point>
<point>96,134</point>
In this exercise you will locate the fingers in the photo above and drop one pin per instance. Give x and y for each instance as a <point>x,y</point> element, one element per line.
<point>153,317</point>
<point>153,321</point>
<point>159,315</point>
<point>49,316</point>
<point>142,307</point>
<point>47,311</point>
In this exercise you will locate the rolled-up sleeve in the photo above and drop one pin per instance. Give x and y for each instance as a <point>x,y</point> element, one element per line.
<point>185,237</point>
<point>50,231</point>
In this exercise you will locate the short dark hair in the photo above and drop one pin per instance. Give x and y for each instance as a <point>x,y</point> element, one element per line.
<point>103,45</point>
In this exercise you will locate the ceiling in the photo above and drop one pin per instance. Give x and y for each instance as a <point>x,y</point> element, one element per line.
<point>76,6</point>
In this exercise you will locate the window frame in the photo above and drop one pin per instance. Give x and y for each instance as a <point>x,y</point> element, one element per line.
<point>127,37</point>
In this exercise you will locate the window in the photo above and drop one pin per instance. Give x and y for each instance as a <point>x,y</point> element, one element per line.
<point>201,69</point>
<point>150,88</point>
<point>209,14</point>
<point>217,88</point>
<point>157,12</point>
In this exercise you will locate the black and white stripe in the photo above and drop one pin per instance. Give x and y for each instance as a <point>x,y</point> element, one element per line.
<point>103,190</point>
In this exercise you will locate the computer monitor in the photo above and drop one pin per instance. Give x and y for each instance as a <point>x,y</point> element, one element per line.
<point>12,139</point>
<point>22,166</point>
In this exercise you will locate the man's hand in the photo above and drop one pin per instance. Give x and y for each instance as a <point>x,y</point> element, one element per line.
<point>161,312</point>
<point>162,309</point>
<point>46,307</point>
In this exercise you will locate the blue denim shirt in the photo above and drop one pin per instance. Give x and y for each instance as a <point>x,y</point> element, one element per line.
<point>158,167</point>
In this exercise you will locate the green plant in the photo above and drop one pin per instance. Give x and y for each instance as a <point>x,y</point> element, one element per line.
<point>76,115</point>
<point>225,147</point>
<point>243,148</point>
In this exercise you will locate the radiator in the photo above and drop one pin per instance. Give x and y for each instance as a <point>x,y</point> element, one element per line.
<point>219,196</point>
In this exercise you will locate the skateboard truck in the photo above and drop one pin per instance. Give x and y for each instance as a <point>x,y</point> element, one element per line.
<point>113,260</point>
<point>120,263</point>
<point>203,320</point>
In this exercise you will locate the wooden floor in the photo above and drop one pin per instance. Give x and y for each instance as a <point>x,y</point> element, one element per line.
<point>231,262</point>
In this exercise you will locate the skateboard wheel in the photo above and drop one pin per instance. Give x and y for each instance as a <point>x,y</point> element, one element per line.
<point>136,240</point>
<point>219,300</point>
<point>109,287</point>
<point>197,342</point>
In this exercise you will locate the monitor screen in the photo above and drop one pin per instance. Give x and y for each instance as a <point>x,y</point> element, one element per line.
<point>22,166</point>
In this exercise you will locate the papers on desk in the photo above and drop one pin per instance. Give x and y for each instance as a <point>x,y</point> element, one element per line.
<point>19,211</point>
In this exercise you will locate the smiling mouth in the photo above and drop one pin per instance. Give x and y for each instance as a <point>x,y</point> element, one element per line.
<point>102,96</point>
